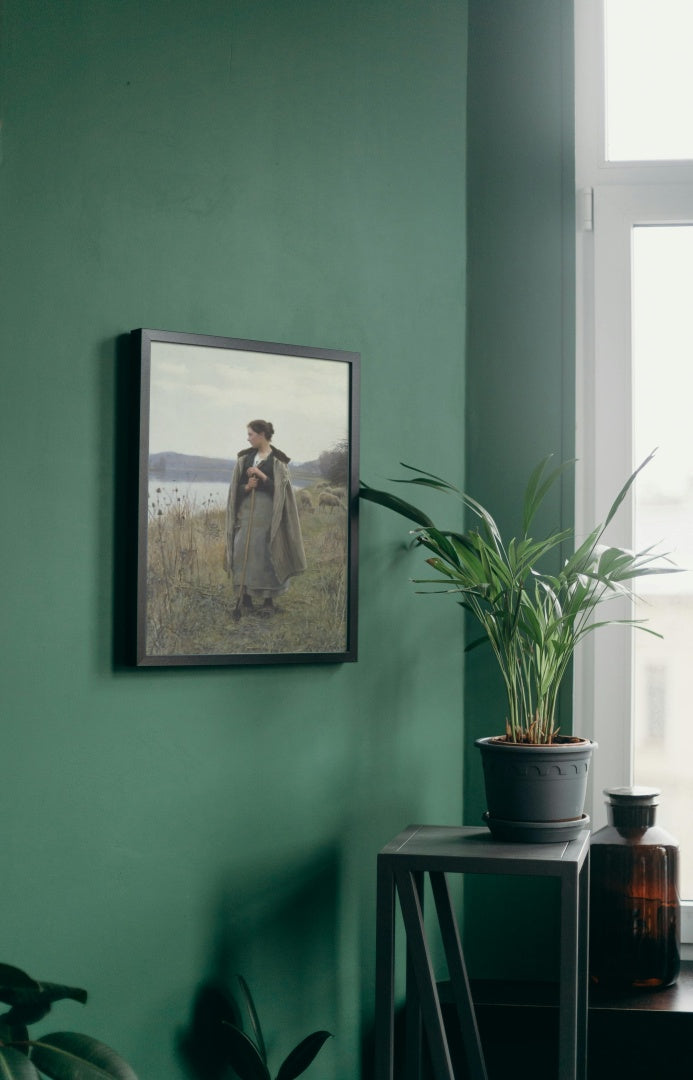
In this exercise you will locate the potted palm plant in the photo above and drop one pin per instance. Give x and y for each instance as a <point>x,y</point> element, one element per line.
<point>533,618</point>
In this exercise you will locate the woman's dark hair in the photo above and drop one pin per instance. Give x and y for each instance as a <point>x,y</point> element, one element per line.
<point>262,427</point>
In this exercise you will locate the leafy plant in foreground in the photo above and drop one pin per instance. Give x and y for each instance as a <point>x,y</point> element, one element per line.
<point>247,1054</point>
<point>533,619</point>
<point>63,1055</point>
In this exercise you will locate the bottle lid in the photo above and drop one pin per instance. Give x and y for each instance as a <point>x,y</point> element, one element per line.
<point>632,796</point>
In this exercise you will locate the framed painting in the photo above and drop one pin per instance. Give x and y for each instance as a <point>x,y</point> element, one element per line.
<point>248,501</point>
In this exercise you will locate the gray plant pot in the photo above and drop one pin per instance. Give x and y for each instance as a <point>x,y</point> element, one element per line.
<point>535,794</point>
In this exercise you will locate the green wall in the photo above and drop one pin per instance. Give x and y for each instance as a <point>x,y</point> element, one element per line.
<point>289,172</point>
<point>281,171</point>
<point>520,362</point>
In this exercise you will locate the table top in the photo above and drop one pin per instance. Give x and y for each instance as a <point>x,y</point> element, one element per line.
<point>464,849</point>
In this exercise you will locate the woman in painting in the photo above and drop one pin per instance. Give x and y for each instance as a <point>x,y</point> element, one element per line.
<point>264,546</point>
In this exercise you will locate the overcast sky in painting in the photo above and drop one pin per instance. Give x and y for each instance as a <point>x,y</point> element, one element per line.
<point>202,398</point>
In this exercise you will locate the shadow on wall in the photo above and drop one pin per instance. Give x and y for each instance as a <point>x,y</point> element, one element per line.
<point>278,929</point>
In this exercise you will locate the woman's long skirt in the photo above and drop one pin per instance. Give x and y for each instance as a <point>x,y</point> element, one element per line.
<point>260,579</point>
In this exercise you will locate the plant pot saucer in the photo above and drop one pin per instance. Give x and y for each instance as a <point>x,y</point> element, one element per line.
<point>535,832</point>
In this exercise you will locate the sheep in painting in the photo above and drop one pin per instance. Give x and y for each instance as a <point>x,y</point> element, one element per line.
<point>331,502</point>
<point>304,501</point>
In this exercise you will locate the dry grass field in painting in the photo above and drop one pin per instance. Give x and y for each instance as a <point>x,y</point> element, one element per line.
<point>190,599</point>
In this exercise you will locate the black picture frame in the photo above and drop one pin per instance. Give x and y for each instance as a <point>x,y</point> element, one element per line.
<point>198,393</point>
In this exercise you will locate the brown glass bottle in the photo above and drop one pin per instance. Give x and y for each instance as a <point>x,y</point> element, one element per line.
<point>635,919</point>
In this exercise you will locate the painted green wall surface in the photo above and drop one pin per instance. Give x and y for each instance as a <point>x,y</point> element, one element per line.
<point>520,365</point>
<point>279,171</point>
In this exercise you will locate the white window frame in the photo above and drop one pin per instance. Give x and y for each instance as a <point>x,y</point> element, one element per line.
<point>611,198</point>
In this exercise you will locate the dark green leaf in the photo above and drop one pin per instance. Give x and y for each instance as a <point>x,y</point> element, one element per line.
<point>490,525</point>
<point>66,1055</point>
<point>14,1033</point>
<point>423,481</point>
<point>243,1055</point>
<point>531,551</point>
<point>531,626</point>
<point>405,509</point>
<point>253,1017</point>
<point>16,1066</point>
<point>440,566</point>
<point>12,978</point>
<point>201,1043</point>
<point>427,539</point>
<point>477,641</point>
<point>301,1056</point>
<point>445,546</point>
<point>467,559</point>
<point>30,999</point>
<point>432,476</point>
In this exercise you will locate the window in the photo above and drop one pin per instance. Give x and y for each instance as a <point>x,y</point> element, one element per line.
<point>634,165</point>
<point>648,80</point>
<point>650,710</point>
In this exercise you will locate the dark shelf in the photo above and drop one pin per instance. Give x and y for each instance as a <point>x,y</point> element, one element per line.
<point>672,999</point>
<point>633,1034</point>
<point>542,995</point>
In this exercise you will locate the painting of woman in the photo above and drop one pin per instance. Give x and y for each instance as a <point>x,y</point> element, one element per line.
<point>264,545</point>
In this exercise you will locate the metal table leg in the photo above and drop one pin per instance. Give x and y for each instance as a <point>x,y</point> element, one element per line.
<point>414,1031</point>
<point>425,977</point>
<point>568,985</point>
<point>458,977</point>
<point>583,967</point>
<point>385,973</point>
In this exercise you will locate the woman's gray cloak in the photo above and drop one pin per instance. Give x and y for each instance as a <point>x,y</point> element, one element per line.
<point>286,550</point>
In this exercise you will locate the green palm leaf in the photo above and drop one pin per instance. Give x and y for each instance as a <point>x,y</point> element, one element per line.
<point>532,618</point>
<point>432,476</point>
<point>393,503</point>
<point>625,489</point>
<point>537,489</point>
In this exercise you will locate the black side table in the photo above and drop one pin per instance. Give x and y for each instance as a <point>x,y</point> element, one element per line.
<point>441,850</point>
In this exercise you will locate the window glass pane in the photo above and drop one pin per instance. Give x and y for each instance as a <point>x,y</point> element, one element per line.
<point>663,418</point>
<point>649,79</point>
